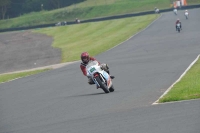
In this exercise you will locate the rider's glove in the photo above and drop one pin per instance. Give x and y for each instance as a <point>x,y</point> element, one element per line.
<point>101,66</point>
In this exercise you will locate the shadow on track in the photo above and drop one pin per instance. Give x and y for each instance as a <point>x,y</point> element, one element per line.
<point>93,94</point>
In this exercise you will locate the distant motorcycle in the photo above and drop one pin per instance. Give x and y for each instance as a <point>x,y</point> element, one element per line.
<point>178,27</point>
<point>100,77</point>
<point>175,11</point>
<point>157,10</point>
<point>186,15</point>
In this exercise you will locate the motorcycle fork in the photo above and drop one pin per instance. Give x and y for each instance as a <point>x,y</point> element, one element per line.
<point>96,82</point>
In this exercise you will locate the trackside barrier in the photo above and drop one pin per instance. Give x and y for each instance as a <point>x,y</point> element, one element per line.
<point>100,19</point>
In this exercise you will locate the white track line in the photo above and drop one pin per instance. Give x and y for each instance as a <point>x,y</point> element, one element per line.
<point>156,102</point>
<point>38,68</point>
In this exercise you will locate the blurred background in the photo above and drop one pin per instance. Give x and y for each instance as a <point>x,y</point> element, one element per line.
<point>23,13</point>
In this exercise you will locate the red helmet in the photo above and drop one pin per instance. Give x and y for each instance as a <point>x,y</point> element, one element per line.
<point>85,57</point>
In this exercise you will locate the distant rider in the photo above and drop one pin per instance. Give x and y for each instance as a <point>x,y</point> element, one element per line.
<point>85,59</point>
<point>156,10</point>
<point>175,11</point>
<point>186,13</point>
<point>178,21</point>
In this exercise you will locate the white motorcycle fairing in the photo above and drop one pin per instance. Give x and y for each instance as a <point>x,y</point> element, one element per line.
<point>100,77</point>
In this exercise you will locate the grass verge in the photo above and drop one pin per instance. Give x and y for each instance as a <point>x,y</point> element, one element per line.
<point>9,77</point>
<point>87,10</point>
<point>95,37</point>
<point>84,10</point>
<point>187,88</point>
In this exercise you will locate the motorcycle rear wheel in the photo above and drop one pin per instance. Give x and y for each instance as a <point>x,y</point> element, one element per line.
<point>102,85</point>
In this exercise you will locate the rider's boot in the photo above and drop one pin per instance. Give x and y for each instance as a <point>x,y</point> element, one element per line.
<point>112,77</point>
<point>90,81</point>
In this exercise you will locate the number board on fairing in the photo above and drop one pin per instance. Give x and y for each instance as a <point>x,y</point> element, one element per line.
<point>92,69</point>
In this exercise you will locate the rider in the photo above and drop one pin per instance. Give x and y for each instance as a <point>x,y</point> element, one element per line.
<point>156,10</point>
<point>175,10</point>
<point>186,12</point>
<point>85,59</point>
<point>178,21</point>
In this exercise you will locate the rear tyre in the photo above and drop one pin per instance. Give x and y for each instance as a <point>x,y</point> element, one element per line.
<point>102,85</point>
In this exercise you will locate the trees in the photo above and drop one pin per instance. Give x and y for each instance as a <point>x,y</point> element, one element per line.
<point>4,7</point>
<point>56,3</point>
<point>15,8</point>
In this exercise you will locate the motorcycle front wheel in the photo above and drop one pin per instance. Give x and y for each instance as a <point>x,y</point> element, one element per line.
<point>102,85</point>
<point>111,89</point>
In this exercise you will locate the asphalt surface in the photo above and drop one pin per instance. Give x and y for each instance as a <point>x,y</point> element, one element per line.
<point>61,101</point>
<point>26,50</point>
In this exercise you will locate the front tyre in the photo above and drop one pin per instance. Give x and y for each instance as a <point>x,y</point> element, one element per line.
<point>102,85</point>
<point>111,89</point>
<point>179,30</point>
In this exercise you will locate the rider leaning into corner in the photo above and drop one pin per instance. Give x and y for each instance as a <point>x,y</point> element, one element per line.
<point>178,21</point>
<point>85,58</point>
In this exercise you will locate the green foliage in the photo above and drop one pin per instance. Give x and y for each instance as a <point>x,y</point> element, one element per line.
<point>85,10</point>
<point>4,7</point>
<point>190,2</point>
<point>4,2</point>
<point>19,7</point>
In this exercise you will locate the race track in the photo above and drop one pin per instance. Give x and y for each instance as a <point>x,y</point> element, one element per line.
<point>26,50</point>
<point>61,101</point>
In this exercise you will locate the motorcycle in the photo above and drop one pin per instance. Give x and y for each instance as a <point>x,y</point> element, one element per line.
<point>100,77</point>
<point>175,11</point>
<point>178,27</point>
<point>157,10</point>
<point>186,15</point>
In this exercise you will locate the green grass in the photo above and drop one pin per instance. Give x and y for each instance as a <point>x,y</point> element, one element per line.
<point>192,2</point>
<point>94,37</point>
<point>9,77</point>
<point>187,88</point>
<point>85,10</point>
